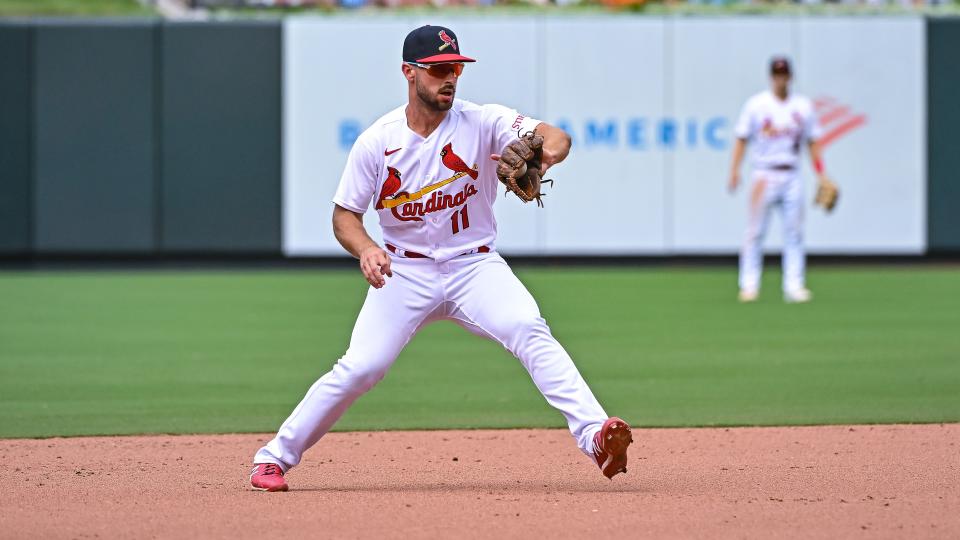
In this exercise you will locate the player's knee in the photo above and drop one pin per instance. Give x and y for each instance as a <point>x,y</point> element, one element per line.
<point>359,376</point>
<point>526,328</point>
<point>365,379</point>
<point>753,235</point>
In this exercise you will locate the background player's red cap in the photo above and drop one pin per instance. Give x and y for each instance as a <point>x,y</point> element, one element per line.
<point>432,45</point>
<point>779,65</point>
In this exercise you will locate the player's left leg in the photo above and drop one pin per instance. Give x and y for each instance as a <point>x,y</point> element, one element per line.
<point>794,255</point>
<point>487,298</point>
<point>751,252</point>
<point>389,318</point>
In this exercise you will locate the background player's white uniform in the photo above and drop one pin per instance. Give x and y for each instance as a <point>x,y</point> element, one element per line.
<point>434,197</point>
<point>776,130</point>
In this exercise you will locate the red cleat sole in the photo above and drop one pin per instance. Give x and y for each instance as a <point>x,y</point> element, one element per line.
<point>615,438</point>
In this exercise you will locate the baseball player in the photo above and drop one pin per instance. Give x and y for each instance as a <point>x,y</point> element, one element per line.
<point>430,169</point>
<point>776,122</point>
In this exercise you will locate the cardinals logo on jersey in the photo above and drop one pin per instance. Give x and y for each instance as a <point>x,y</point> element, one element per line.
<point>768,129</point>
<point>447,41</point>
<point>454,163</point>
<point>406,206</point>
<point>391,186</point>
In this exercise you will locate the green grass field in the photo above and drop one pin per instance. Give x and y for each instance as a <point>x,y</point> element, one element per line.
<point>172,352</point>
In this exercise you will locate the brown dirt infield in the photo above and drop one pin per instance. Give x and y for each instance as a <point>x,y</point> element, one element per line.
<point>811,482</point>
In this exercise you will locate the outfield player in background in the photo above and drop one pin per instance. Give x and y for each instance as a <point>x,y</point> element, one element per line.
<point>429,170</point>
<point>776,123</point>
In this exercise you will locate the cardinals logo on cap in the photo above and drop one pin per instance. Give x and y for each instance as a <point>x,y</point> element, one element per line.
<point>447,41</point>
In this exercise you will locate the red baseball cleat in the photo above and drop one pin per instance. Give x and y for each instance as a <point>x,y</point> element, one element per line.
<point>267,477</point>
<point>610,445</point>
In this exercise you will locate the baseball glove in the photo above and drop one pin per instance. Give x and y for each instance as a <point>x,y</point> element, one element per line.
<point>519,167</point>
<point>827,194</point>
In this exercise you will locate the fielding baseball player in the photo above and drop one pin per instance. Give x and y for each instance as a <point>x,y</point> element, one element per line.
<point>777,122</point>
<point>432,170</point>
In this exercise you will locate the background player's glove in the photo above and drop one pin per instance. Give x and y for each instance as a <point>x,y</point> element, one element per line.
<point>827,194</point>
<point>519,167</point>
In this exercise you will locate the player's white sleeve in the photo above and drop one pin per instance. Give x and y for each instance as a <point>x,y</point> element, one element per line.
<point>506,124</point>
<point>744,127</point>
<point>358,184</point>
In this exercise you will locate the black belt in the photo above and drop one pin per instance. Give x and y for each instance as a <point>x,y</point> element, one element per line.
<point>784,167</point>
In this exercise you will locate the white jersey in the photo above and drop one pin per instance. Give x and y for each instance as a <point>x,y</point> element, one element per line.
<point>776,128</point>
<point>434,195</point>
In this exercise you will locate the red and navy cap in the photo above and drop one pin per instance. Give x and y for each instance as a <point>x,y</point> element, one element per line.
<point>779,65</point>
<point>432,45</point>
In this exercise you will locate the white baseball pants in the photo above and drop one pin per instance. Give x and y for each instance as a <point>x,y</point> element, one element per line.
<point>480,293</point>
<point>771,189</point>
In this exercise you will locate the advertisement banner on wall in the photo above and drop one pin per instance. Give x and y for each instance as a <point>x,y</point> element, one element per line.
<point>652,128</point>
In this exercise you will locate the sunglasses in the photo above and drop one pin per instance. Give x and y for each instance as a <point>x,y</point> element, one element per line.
<point>441,70</point>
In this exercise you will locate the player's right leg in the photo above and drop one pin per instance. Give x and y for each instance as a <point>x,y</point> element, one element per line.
<point>794,258</point>
<point>488,300</point>
<point>389,318</point>
<point>751,253</point>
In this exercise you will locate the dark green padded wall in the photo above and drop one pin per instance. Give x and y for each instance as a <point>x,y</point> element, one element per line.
<point>15,205</point>
<point>943,137</point>
<point>94,137</point>
<point>221,158</point>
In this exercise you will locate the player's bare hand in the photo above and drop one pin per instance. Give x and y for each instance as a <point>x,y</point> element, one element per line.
<point>734,181</point>
<point>375,264</point>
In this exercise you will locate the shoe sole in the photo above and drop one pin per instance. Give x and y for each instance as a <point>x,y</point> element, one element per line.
<point>616,437</point>
<point>271,490</point>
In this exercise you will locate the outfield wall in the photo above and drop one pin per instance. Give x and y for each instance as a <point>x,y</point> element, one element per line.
<point>943,97</point>
<point>652,129</point>
<point>154,138</point>
<point>15,129</point>
<point>139,138</point>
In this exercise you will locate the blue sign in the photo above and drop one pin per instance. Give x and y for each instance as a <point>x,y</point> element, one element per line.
<point>640,133</point>
<point>634,133</point>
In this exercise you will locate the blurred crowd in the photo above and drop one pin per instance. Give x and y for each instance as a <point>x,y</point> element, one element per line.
<point>612,3</point>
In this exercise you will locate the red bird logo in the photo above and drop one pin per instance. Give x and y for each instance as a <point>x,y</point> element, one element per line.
<point>454,163</point>
<point>447,41</point>
<point>390,186</point>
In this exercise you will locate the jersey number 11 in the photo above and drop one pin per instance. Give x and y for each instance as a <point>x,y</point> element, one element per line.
<point>458,217</point>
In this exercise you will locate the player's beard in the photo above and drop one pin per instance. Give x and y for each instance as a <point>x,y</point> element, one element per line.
<point>431,100</point>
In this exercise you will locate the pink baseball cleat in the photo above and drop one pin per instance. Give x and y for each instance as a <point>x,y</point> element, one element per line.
<point>267,477</point>
<point>610,446</point>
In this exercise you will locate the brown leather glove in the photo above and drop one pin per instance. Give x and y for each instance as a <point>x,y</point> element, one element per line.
<point>827,194</point>
<point>519,167</point>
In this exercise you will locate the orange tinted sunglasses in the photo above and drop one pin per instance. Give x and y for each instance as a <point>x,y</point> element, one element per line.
<point>441,70</point>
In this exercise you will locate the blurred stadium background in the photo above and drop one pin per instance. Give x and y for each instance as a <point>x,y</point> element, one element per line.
<point>166,169</point>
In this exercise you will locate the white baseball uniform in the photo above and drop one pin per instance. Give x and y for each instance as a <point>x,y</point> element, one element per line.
<point>776,130</point>
<point>434,197</point>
